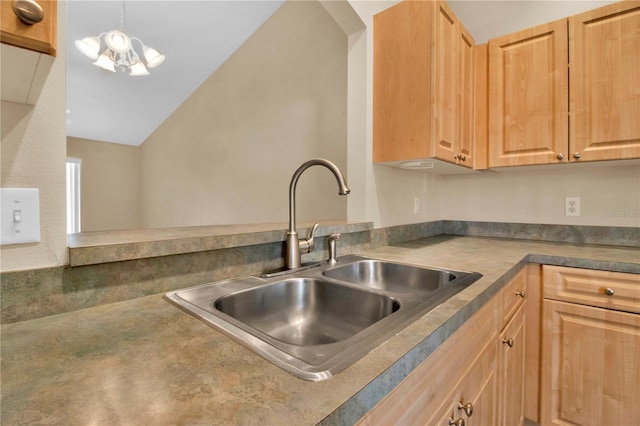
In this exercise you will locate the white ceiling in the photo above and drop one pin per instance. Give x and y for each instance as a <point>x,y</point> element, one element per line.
<point>489,19</point>
<point>197,37</point>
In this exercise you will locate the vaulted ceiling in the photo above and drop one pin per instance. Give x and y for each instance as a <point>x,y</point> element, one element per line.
<point>195,36</point>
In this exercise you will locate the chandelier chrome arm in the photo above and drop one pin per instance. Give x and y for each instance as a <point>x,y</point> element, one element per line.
<point>119,51</point>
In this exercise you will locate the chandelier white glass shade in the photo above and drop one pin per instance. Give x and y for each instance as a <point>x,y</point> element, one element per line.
<point>119,52</point>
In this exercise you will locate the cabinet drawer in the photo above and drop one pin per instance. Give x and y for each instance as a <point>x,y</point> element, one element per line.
<point>612,290</point>
<point>512,296</point>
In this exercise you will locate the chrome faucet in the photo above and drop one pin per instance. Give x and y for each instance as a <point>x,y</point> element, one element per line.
<point>295,246</point>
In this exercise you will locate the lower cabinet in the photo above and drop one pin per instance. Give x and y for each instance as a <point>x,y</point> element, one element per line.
<point>590,369</point>
<point>591,366</point>
<point>464,381</point>
<point>566,338</point>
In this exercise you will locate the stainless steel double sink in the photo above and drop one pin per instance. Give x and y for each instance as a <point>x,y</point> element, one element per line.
<point>316,322</point>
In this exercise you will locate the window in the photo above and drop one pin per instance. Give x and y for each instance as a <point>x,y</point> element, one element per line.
<point>73,195</point>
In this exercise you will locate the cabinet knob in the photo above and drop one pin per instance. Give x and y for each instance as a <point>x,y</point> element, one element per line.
<point>28,11</point>
<point>459,422</point>
<point>521,293</point>
<point>560,156</point>
<point>467,408</point>
<point>508,342</point>
<point>577,155</point>
<point>460,157</point>
<point>609,291</point>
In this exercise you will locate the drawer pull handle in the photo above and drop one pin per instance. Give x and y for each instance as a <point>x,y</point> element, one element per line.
<point>460,157</point>
<point>521,293</point>
<point>459,422</point>
<point>467,408</point>
<point>508,342</point>
<point>609,291</point>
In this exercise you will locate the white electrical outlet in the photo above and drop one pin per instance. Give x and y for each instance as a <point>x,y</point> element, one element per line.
<point>572,206</point>
<point>416,205</point>
<point>19,216</point>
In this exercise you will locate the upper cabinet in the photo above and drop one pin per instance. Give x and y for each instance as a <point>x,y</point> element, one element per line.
<point>423,96</point>
<point>528,96</point>
<point>567,91</point>
<point>40,36</point>
<point>27,51</point>
<point>604,92</point>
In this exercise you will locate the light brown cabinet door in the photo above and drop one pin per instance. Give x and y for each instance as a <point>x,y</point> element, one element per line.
<point>477,391</point>
<point>604,56</point>
<point>402,78</point>
<point>511,370</point>
<point>453,112</point>
<point>40,37</point>
<point>466,121</point>
<point>446,82</point>
<point>528,96</point>
<point>480,388</point>
<point>590,366</point>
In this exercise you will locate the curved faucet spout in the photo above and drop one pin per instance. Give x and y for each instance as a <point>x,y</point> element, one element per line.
<point>293,244</point>
<point>342,184</point>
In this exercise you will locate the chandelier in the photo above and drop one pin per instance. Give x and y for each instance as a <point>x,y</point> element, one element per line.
<point>119,51</point>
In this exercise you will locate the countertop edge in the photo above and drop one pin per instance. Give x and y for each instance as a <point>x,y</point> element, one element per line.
<point>574,262</point>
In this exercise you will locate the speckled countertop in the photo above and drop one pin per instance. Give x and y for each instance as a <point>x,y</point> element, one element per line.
<point>144,361</point>
<point>91,248</point>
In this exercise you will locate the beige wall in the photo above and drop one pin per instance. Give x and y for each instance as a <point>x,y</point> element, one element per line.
<point>33,156</point>
<point>110,187</point>
<point>609,195</point>
<point>228,153</point>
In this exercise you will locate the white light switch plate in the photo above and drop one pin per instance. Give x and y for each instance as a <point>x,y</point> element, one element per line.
<point>19,215</point>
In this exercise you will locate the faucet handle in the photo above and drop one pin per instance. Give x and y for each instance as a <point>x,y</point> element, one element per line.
<point>307,244</point>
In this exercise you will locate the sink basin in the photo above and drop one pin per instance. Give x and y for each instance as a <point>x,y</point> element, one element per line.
<point>316,322</point>
<point>307,311</point>
<point>391,276</point>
